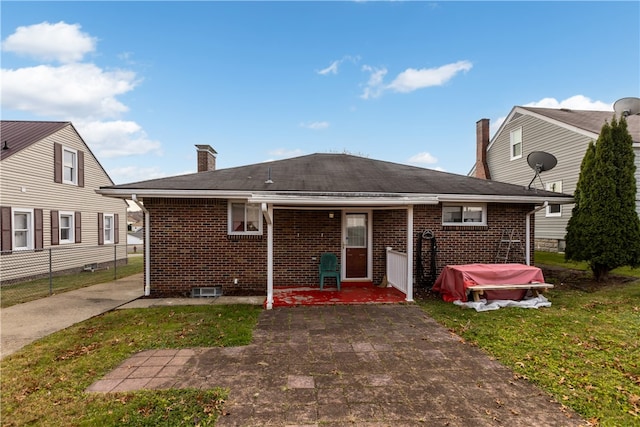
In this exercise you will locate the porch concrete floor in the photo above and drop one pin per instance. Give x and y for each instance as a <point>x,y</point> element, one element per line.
<point>364,365</point>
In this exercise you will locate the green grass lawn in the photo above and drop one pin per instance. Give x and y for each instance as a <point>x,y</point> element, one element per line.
<point>35,289</point>
<point>44,383</point>
<point>584,349</point>
<point>557,260</point>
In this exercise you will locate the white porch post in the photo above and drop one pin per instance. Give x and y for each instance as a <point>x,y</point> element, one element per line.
<point>147,246</point>
<point>269,255</point>
<point>410,253</point>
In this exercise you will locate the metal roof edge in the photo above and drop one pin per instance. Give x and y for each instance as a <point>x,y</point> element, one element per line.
<point>560,123</point>
<point>325,199</point>
<point>478,198</point>
<point>127,193</point>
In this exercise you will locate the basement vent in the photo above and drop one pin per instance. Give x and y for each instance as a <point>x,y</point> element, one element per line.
<point>214,291</point>
<point>90,267</point>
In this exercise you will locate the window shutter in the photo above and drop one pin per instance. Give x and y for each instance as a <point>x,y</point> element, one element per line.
<point>55,228</point>
<point>77,222</point>
<point>80,168</point>
<point>116,229</point>
<point>5,226</point>
<point>57,162</point>
<point>39,229</point>
<point>101,229</point>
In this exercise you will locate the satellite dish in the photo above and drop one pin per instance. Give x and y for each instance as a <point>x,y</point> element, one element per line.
<point>540,161</point>
<point>627,107</point>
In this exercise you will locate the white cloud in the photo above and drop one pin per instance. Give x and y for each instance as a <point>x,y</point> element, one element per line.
<point>495,125</point>
<point>373,88</point>
<point>333,67</point>
<point>283,153</point>
<point>576,102</point>
<point>423,158</point>
<point>134,174</point>
<point>60,42</point>
<point>71,90</point>
<point>412,79</point>
<point>117,138</point>
<point>315,125</point>
<point>80,92</point>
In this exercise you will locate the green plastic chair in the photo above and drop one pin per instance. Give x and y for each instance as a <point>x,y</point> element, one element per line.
<point>329,267</point>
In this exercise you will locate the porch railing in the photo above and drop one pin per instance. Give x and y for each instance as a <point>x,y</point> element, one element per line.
<point>397,270</point>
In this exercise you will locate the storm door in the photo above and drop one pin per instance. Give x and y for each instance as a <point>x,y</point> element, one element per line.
<point>356,245</point>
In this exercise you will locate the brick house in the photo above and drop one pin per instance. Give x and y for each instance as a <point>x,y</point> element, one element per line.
<point>254,227</point>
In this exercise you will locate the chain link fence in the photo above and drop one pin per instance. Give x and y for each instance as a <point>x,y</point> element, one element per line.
<point>30,274</point>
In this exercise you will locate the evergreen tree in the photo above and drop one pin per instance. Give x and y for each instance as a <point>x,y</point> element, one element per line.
<point>604,228</point>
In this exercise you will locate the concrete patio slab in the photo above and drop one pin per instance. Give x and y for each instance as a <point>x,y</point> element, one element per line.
<point>365,365</point>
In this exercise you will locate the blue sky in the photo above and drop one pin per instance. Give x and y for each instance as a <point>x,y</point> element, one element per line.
<point>143,82</point>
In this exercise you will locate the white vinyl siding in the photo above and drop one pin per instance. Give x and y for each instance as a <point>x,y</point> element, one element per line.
<point>37,189</point>
<point>568,147</point>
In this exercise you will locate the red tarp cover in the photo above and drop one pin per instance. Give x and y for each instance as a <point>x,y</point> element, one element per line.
<point>455,279</point>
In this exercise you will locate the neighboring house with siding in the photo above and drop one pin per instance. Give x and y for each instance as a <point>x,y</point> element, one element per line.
<point>250,228</point>
<point>48,201</point>
<point>566,134</point>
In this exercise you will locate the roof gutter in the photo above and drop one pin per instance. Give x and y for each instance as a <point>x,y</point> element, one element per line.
<point>147,247</point>
<point>483,198</point>
<point>142,193</point>
<point>342,201</point>
<point>527,239</point>
<point>337,199</point>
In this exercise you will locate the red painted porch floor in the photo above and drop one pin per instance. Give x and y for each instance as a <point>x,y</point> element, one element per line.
<point>350,293</point>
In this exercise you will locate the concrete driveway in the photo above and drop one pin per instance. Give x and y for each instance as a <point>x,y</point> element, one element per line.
<point>24,323</point>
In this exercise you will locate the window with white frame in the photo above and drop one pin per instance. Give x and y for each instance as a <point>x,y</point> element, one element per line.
<point>108,228</point>
<point>515,144</point>
<point>554,209</point>
<point>69,166</point>
<point>66,227</point>
<point>244,218</point>
<point>22,222</point>
<point>464,214</point>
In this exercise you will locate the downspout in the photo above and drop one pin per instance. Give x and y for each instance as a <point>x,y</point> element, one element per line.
<point>147,247</point>
<point>527,239</point>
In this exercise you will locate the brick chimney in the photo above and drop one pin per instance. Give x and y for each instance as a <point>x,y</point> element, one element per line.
<point>206,158</point>
<point>482,142</point>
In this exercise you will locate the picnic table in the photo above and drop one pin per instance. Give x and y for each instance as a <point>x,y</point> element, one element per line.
<point>493,281</point>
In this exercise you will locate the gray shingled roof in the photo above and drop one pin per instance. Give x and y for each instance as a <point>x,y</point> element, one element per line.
<point>333,174</point>
<point>21,134</point>
<point>590,121</point>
